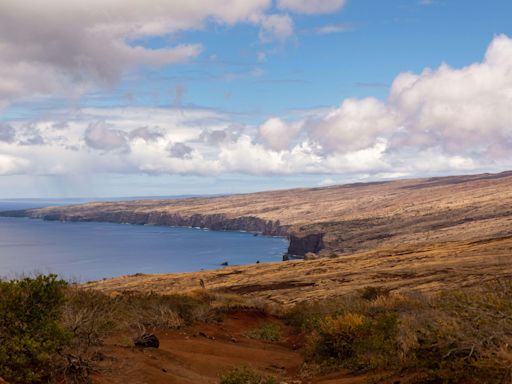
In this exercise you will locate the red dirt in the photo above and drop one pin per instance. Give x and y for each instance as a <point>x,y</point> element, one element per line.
<point>201,353</point>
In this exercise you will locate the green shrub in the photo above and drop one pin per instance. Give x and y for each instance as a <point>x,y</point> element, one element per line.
<point>30,333</point>
<point>267,332</point>
<point>245,376</point>
<point>469,335</point>
<point>355,341</point>
<point>373,293</point>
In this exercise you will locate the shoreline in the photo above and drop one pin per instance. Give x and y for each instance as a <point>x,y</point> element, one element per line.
<point>298,247</point>
<point>93,251</point>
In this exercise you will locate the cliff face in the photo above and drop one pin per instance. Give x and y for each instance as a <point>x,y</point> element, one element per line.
<point>300,245</point>
<point>216,222</point>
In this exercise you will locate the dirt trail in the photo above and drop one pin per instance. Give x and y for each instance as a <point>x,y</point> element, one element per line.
<point>201,353</point>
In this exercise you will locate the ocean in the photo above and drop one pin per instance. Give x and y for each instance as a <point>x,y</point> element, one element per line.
<point>84,251</point>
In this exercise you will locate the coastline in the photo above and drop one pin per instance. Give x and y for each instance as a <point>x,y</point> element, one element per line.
<point>298,246</point>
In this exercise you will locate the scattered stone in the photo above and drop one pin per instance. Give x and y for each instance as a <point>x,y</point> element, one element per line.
<point>311,256</point>
<point>147,340</point>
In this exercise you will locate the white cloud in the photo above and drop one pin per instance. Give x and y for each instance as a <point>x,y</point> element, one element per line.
<point>355,125</point>
<point>441,120</point>
<point>99,135</point>
<point>311,6</point>
<point>278,134</point>
<point>275,27</point>
<point>460,111</point>
<point>63,48</point>
<point>12,165</point>
<point>333,28</point>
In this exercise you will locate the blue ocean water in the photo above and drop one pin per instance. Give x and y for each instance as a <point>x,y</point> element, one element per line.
<point>91,251</point>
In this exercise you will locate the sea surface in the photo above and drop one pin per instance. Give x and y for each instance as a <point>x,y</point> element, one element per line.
<point>91,251</point>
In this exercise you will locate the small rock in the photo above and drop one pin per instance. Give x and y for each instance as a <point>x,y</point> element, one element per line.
<point>203,334</point>
<point>147,340</point>
<point>233,340</point>
<point>225,264</point>
<point>164,370</point>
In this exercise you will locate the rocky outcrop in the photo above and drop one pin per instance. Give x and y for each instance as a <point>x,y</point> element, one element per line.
<point>216,222</point>
<point>147,340</point>
<point>301,245</point>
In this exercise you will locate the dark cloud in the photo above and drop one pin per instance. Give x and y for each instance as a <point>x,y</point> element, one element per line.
<point>7,133</point>
<point>145,133</point>
<point>218,136</point>
<point>31,135</point>
<point>180,151</point>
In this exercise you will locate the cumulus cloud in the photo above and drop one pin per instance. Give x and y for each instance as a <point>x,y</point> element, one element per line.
<point>460,111</point>
<point>311,6</point>
<point>440,120</point>
<point>355,125</point>
<point>66,47</point>
<point>278,134</point>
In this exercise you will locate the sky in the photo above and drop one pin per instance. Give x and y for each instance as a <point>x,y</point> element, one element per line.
<point>103,98</point>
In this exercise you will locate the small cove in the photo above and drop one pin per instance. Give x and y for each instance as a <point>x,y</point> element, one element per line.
<point>83,251</point>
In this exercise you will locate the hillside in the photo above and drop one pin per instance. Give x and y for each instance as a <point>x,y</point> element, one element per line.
<point>420,233</point>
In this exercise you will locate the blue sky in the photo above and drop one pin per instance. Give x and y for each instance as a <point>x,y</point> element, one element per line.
<point>242,95</point>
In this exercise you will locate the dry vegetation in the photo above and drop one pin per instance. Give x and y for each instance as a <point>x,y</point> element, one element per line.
<point>372,335</point>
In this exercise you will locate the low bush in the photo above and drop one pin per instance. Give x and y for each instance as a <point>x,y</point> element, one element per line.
<point>267,332</point>
<point>373,293</point>
<point>31,335</point>
<point>452,337</point>
<point>355,341</point>
<point>245,375</point>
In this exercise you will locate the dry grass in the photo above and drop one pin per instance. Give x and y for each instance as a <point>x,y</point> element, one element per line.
<point>454,336</point>
<point>92,317</point>
<point>402,268</point>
